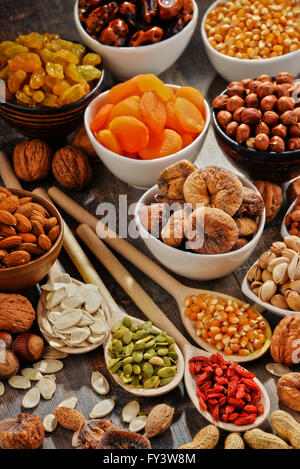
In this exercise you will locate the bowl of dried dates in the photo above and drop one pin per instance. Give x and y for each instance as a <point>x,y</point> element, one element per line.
<point>31,235</point>
<point>49,83</point>
<point>257,125</point>
<point>136,37</point>
<point>200,223</point>
<point>141,126</point>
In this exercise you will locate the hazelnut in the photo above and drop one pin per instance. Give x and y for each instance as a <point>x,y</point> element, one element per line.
<point>277,144</point>
<point>297,112</point>
<point>251,116</point>
<point>231,129</point>
<point>264,78</point>
<point>252,100</point>
<point>285,103</point>
<point>247,82</point>
<point>242,133</point>
<point>224,117</point>
<point>250,142</point>
<point>289,118</point>
<point>236,87</point>
<point>5,340</point>
<point>9,364</point>
<point>237,114</point>
<point>271,118</point>
<point>283,90</point>
<point>262,128</point>
<point>220,101</point>
<point>261,142</point>
<point>294,130</point>
<point>284,77</point>
<point>265,89</point>
<point>234,103</point>
<point>268,103</point>
<point>28,347</point>
<point>294,143</point>
<point>254,85</point>
<point>280,130</point>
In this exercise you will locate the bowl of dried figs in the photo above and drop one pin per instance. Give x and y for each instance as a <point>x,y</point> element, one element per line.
<point>200,223</point>
<point>257,126</point>
<point>31,236</point>
<point>136,37</point>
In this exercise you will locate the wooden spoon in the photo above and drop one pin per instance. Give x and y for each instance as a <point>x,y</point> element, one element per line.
<point>156,273</point>
<point>136,293</point>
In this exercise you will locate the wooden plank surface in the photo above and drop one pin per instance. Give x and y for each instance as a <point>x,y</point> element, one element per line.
<point>194,69</point>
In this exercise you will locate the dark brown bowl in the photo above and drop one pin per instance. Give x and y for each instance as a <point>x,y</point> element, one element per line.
<point>22,277</point>
<point>266,165</point>
<point>47,122</point>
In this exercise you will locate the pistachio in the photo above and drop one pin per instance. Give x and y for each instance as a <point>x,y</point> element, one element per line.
<point>254,274</point>
<point>295,285</point>
<point>267,290</point>
<point>279,301</point>
<point>265,258</point>
<point>293,300</point>
<point>293,242</point>
<point>280,273</point>
<point>274,262</point>
<point>266,275</point>
<point>255,285</point>
<point>293,266</point>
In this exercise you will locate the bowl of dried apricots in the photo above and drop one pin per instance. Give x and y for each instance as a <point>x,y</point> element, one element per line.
<point>49,83</point>
<point>141,126</point>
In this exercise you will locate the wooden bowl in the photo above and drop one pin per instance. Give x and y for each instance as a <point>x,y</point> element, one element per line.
<point>13,279</point>
<point>275,167</point>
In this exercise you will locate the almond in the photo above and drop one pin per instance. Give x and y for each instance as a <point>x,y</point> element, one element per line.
<point>50,223</point>
<point>2,196</point>
<point>6,230</point>
<point>5,191</point>
<point>25,200</point>
<point>6,218</point>
<point>10,204</point>
<point>38,217</point>
<point>28,237</point>
<point>3,253</point>
<point>44,242</point>
<point>159,420</point>
<point>16,258</point>
<point>37,228</point>
<point>69,418</point>
<point>32,248</point>
<point>10,242</point>
<point>54,232</point>
<point>23,224</point>
<point>27,209</point>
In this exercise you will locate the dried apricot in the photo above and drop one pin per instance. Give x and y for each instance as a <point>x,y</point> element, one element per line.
<point>189,116</point>
<point>192,95</point>
<point>100,120</point>
<point>131,133</point>
<point>151,82</point>
<point>127,107</point>
<point>167,143</point>
<point>153,111</point>
<point>29,62</point>
<point>108,139</point>
<point>172,121</point>
<point>187,139</point>
<point>124,90</point>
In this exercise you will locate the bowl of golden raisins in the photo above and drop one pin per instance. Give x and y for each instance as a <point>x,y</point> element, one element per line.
<point>49,81</point>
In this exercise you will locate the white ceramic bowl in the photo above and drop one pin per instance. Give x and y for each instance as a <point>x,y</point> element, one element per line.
<point>233,69</point>
<point>192,265</point>
<point>140,173</point>
<point>284,232</point>
<point>126,62</point>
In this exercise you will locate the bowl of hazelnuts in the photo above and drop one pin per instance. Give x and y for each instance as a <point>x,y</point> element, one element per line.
<point>257,125</point>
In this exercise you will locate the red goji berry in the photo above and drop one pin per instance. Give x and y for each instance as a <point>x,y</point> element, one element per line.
<point>208,369</point>
<point>215,414</point>
<point>200,358</point>
<point>245,420</point>
<point>206,386</point>
<point>221,380</point>
<point>202,378</point>
<point>240,391</point>
<point>192,368</point>
<point>212,401</point>
<point>198,366</point>
<point>247,397</point>
<point>244,373</point>
<point>219,388</point>
<point>231,389</point>
<point>202,404</point>
<point>233,417</point>
<point>214,395</point>
<point>218,371</point>
<point>225,417</point>
<point>260,408</point>
<point>222,401</point>
<point>250,384</point>
<point>229,409</point>
<point>236,402</point>
<point>250,409</point>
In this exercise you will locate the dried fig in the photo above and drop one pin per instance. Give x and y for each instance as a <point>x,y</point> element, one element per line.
<point>24,432</point>
<point>154,217</point>
<point>119,439</point>
<point>214,187</point>
<point>247,226</point>
<point>252,204</point>
<point>272,196</point>
<point>240,243</point>
<point>171,179</point>
<point>284,340</point>
<point>91,432</point>
<point>172,233</point>
<point>211,231</point>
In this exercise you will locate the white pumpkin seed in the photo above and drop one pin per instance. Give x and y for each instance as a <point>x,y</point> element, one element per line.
<point>277,369</point>
<point>93,302</point>
<point>75,442</point>
<point>58,334</point>
<point>56,343</point>
<point>100,383</point>
<point>32,374</point>
<point>102,409</point>
<point>56,297</point>
<point>71,403</point>
<point>98,327</point>
<point>50,423</point>
<point>79,335</point>
<point>73,289</point>
<point>19,382</point>
<point>95,339</point>
<point>48,366</point>
<point>47,387</point>
<point>86,319</point>
<point>130,411</point>
<point>31,398</point>
<point>53,377</point>
<point>51,287</point>
<point>82,344</point>
<point>50,352</point>
<point>138,423</point>
<point>72,302</point>
<point>68,320</point>
<point>53,316</point>
<point>1,388</point>
<point>46,327</point>
<point>65,278</point>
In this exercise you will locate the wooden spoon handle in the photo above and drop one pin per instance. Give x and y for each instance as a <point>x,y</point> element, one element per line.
<point>120,245</point>
<point>128,283</point>
<point>7,173</point>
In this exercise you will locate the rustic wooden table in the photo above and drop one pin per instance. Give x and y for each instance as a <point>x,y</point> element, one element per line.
<point>194,69</point>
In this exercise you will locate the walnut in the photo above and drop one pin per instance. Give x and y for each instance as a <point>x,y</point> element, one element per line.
<point>293,191</point>
<point>24,432</point>
<point>16,313</point>
<point>71,168</point>
<point>284,341</point>
<point>171,179</point>
<point>32,160</point>
<point>272,196</point>
<point>82,141</point>
<point>288,390</point>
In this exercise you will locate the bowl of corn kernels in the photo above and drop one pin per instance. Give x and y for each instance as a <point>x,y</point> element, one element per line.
<point>49,81</point>
<point>251,37</point>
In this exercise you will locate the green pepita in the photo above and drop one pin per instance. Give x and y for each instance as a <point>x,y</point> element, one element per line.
<point>151,382</point>
<point>127,322</point>
<point>147,369</point>
<point>166,372</point>
<point>138,357</point>
<point>157,361</point>
<point>162,351</point>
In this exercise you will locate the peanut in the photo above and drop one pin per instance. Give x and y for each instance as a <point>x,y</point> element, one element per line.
<point>286,427</point>
<point>234,441</point>
<point>258,439</point>
<point>207,438</point>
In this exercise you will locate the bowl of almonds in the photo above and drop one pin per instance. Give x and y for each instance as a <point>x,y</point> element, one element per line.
<point>31,235</point>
